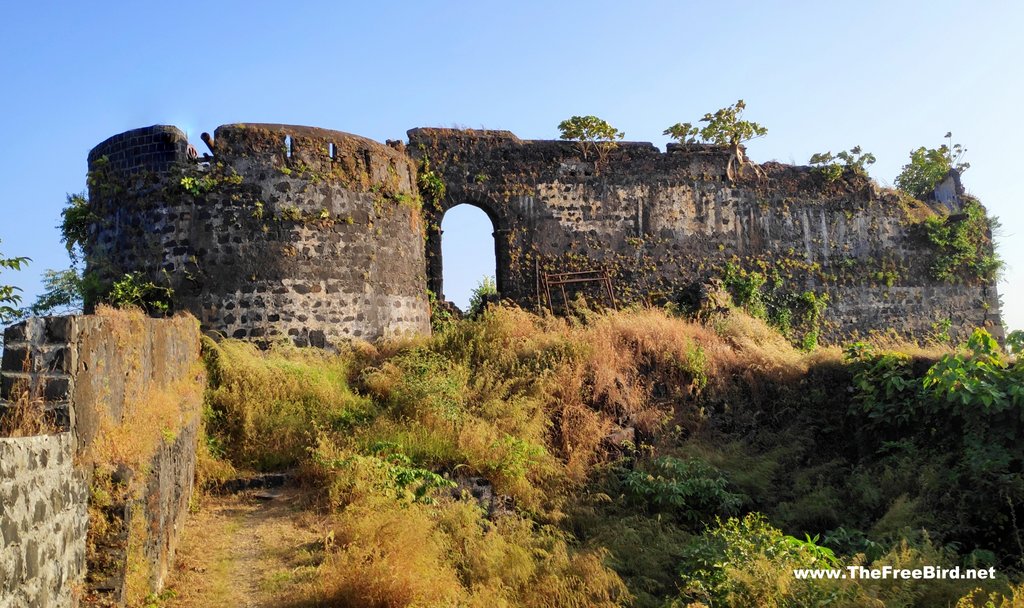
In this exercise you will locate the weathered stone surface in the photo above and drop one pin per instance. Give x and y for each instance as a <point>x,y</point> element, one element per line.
<point>43,521</point>
<point>43,494</point>
<point>278,240</point>
<point>311,235</point>
<point>661,223</point>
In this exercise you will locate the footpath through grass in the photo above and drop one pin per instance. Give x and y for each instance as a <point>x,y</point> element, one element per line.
<point>246,552</point>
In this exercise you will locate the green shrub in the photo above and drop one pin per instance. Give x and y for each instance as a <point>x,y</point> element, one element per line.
<point>745,288</point>
<point>747,562</point>
<point>485,288</point>
<point>854,160</point>
<point>886,391</point>
<point>929,166</point>
<point>591,134</point>
<point>690,490</point>
<point>963,245</point>
<point>133,289</point>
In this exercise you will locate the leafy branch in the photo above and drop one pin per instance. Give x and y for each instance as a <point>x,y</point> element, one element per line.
<point>9,297</point>
<point>725,127</point>
<point>854,160</point>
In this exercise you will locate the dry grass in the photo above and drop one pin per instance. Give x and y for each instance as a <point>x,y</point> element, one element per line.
<point>153,413</point>
<point>26,415</point>
<point>446,555</point>
<point>265,406</point>
<point>524,401</point>
<point>154,418</point>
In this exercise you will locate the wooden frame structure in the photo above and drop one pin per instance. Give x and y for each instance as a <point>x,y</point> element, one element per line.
<point>560,279</point>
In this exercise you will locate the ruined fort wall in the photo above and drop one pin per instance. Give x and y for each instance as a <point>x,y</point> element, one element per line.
<point>318,236</point>
<point>287,232</point>
<point>659,222</point>
<point>101,378</point>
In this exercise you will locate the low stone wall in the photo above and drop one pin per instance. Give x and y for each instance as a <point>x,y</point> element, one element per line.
<point>126,391</point>
<point>132,552</point>
<point>42,522</point>
<point>165,501</point>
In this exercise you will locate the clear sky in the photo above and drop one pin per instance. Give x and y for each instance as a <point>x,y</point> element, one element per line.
<point>889,76</point>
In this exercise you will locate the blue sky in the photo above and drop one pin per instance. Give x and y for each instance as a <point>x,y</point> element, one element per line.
<point>889,76</point>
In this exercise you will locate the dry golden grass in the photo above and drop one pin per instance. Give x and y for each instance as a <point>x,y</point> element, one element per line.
<point>152,413</point>
<point>266,404</point>
<point>153,418</point>
<point>979,598</point>
<point>446,555</point>
<point>25,415</point>
<point>388,558</point>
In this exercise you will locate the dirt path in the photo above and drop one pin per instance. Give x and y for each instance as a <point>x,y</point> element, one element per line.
<point>247,551</point>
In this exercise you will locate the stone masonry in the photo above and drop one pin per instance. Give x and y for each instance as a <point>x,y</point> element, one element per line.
<point>42,522</point>
<point>659,222</point>
<point>315,235</point>
<point>287,232</point>
<point>91,371</point>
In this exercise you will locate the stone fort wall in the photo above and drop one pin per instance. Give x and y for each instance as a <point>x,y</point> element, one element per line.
<point>660,221</point>
<point>319,235</point>
<point>294,232</point>
<point>93,374</point>
<point>42,521</point>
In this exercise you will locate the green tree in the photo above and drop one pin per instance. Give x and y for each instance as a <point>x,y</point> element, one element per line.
<point>592,134</point>
<point>929,166</point>
<point>725,127</point>
<point>62,294</point>
<point>9,294</point>
<point>76,217</point>
<point>64,290</point>
<point>1015,342</point>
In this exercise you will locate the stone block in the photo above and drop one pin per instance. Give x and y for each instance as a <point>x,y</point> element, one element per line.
<point>59,329</point>
<point>19,332</point>
<point>19,359</point>
<point>57,389</point>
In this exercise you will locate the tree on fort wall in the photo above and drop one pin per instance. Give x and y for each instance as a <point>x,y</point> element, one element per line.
<point>592,136</point>
<point>725,127</point>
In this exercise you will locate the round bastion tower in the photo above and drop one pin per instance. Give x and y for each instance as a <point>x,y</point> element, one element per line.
<point>284,232</point>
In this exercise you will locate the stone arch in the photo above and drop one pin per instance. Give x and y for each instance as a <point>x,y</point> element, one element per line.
<point>502,244</point>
